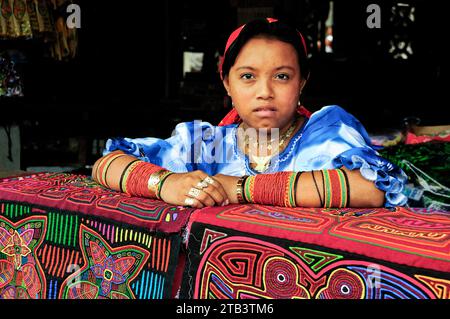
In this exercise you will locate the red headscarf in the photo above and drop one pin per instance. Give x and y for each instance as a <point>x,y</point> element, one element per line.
<point>233,117</point>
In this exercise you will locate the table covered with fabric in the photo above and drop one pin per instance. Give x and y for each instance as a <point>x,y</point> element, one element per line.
<point>64,236</point>
<point>254,251</point>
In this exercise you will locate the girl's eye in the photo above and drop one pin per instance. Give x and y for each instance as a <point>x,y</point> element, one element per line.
<point>282,76</point>
<point>247,76</point>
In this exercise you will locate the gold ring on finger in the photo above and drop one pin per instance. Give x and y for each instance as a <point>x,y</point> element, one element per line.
<point>194,192</point>
<point>189,201</point>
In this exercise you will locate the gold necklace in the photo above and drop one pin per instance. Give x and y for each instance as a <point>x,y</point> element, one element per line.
<point>262,162</point>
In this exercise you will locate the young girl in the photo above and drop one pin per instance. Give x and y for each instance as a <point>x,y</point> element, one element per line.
<point>268,149</point>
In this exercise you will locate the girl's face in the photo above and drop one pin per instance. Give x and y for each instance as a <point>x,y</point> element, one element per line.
<point>265,83</point>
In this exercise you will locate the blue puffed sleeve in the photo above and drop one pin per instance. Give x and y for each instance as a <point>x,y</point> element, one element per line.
<point>361,155</point>
<point>387,177</point>
<point>182,152</point>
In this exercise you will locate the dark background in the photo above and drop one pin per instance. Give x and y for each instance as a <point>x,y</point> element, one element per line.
<point>127,77</point>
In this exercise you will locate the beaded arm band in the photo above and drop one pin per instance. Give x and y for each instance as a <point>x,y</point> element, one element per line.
<point>146,180</point>
<point>336,188</point>
<point>102,168</point>
<point>276,189</point>
<point>280,189</point>
<point>139,178</point>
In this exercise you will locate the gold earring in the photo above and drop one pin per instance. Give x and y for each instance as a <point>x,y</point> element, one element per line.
<point>299,103</point>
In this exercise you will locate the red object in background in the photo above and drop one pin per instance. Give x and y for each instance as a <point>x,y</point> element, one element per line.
<point>412,138</point>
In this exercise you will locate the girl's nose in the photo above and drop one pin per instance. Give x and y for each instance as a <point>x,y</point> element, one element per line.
<point>265,89</point>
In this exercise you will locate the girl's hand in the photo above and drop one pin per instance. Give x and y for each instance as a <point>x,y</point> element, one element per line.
<point>229,183</point>
<point>196,189</point>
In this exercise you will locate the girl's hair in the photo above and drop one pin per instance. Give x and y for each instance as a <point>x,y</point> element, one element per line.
<point>272,29</point>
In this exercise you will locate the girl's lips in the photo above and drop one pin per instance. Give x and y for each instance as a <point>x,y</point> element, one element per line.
<point>265,111</point>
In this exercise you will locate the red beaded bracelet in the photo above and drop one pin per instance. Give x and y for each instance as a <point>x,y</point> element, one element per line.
<point>276,189</point>
<point>336,191</point>
<point>137,180</point>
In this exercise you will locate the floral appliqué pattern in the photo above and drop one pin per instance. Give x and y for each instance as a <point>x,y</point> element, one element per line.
<point>21,275</point>
<point>107,271</point>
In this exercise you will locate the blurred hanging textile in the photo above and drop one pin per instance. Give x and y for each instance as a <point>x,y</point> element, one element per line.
<point>14,19</point>
<point>41,20</point>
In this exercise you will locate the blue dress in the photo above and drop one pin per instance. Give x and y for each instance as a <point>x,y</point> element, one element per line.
<point>330,138</point>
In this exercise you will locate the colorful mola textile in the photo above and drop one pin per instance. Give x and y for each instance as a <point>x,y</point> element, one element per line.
<point>253,251</point>
<point>64,236</point>
<point>79,193</point>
